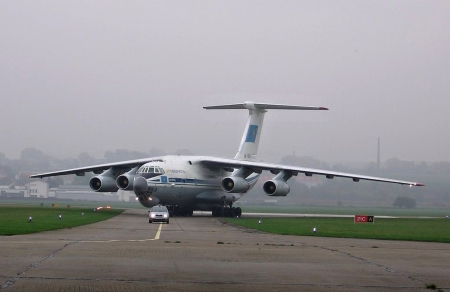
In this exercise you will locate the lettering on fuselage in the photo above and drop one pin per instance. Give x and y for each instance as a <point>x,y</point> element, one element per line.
<point>175,171</point>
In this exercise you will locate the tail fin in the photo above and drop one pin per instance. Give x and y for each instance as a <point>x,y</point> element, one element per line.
<point>250,140</point>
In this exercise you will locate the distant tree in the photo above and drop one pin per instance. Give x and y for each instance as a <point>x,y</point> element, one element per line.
<point>82,180</point>
<point>439,167</point>
<point>138,155</point>
<point>305,161</point>
<point>123,154</point>
<point>109,156</point>
<point>406,202</point>
<point>85,159</point>
<point>54,182</point>
<point>7,175</point>
<point>32,154</point>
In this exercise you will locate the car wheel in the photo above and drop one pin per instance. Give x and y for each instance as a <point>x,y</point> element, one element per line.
<point>149,221</point>
<point>167,221</point>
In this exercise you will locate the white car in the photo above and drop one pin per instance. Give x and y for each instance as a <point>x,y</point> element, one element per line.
<point>158,214</point>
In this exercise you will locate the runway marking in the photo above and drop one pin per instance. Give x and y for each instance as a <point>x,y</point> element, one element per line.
<point>158,234</point>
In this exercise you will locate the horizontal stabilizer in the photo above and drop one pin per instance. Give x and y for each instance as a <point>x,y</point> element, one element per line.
<point>263,106</point>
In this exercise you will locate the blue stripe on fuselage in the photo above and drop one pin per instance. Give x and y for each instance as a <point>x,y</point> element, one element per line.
<point>189,181</point>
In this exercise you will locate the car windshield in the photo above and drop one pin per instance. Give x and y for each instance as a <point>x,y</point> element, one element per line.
<point>159,209</point>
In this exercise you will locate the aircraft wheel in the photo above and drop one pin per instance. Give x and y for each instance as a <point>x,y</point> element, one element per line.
<point>238,212</point>
<point>233,212</point>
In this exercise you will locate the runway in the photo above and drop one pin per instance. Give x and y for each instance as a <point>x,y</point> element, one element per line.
<point>201,253</point>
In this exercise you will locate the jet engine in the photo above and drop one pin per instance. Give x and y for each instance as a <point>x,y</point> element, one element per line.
<point>103,183</point>
<point>125,181</point>
<point>276,188</point>
<point>233,184</point>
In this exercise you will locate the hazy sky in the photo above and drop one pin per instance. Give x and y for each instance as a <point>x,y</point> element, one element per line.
<point>93,76</point>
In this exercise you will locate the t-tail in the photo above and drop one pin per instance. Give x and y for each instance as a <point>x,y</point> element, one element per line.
<point>248,148</point>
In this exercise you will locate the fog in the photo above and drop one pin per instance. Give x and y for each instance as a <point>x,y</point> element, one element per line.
<point>91,76</point>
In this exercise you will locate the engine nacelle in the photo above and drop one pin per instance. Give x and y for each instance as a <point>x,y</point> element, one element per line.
<point>276,188</point>
<point>234,184</point>
<point>103,183</point>
<point>125,181</point>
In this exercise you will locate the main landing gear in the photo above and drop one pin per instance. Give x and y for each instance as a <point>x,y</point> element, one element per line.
<point>177,211</point>
<point>226,212</point>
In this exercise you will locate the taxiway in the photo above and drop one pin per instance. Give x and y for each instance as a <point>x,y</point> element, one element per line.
<point>202,253</point>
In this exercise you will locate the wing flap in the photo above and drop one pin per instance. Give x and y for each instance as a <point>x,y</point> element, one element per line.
<point>97,169</point>
<point>275,168</point>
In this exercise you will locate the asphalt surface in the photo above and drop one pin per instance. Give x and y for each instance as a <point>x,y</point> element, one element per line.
<point>201,253</point>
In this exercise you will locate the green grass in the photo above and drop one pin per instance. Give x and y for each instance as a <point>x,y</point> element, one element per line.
<point>380,211</point>
<point>63,203</point>
<point>411,229</point>
<point>14,220</point>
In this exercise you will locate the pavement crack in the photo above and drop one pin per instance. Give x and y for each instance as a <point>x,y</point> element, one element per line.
<point>371,263</point>
<point>13,279</point>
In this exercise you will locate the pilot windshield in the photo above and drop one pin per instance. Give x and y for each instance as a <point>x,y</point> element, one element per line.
<point>151,169</point>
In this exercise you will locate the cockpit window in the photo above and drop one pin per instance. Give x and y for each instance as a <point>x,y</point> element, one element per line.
<point>151,169</point>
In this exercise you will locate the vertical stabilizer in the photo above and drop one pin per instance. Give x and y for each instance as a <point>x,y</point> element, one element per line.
<point>250,139</point>
<point>248,148</point>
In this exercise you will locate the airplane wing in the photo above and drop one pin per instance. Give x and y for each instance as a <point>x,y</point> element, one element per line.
<point>97,169</point>
<point>276,168</point>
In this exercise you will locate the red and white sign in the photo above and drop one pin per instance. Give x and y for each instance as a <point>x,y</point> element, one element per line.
<point>364,219</point>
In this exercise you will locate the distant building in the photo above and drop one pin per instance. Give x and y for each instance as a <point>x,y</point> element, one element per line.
<point>125,196</point>
<point>37,189</point>
<point>7,192</point>
<point>83,193</point>
<point>40,189</point>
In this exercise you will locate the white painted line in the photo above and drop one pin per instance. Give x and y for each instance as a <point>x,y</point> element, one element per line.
<point>159,232</point>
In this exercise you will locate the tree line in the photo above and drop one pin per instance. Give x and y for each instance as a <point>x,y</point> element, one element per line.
<point>436,176</point>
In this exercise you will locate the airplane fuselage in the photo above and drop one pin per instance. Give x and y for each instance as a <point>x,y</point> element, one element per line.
<point>184,181</point>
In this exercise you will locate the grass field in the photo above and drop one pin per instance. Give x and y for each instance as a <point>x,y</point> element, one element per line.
<point>377,211</point>
<point>293,209</point>
<point>411,229</point>
<point>14,220</point>
<point>64,203</point>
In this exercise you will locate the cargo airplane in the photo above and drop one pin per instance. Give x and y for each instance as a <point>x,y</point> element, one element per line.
<point>189,183</point>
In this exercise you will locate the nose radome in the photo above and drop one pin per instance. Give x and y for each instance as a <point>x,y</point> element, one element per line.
<point>140,184</point>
